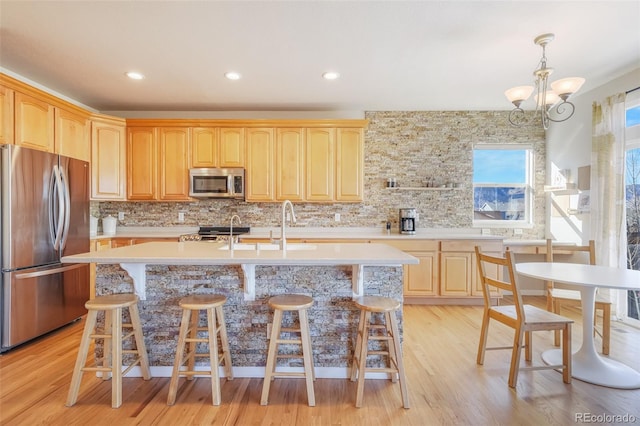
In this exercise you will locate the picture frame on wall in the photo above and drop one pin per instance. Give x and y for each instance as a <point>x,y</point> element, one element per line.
<point>584,202</point>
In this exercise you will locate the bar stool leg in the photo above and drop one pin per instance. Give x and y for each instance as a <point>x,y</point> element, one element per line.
<point>307,356</point>
<point>393,355</point>
<point>362,360</point>
<point>81,358</point>
<point>177,363</point>
<point>116,366</point>
<point>107,344</point>
<point>357,349</point>
<point>400,363</point>
<point>139,338</point>
<point>271,356</point>
<point>193,345</point>
<point>224,341</point>
<point>213,356</point>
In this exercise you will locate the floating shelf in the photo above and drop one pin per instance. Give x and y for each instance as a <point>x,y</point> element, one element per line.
<point>568,189</point>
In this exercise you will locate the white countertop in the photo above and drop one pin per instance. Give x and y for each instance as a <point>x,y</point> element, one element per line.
<point>348,233</point>
<point>208,253</point>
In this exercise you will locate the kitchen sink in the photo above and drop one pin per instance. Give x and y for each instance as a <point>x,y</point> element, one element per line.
<point>269,247</point>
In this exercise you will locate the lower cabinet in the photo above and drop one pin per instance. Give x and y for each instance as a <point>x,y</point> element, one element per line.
<point>96,245</point>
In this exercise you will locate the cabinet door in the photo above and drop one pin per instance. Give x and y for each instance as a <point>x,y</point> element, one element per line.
<point>108,161</point>
<point>349,165</point>
<point>260,165</point>
<point>204,147</point>
<point>320,162</point>
<point>34,123</point>
<point>456,273</point>
<point>141,163</point>
<point>173,169</point>
<point>121,242</point>
<point>72,135</point>
<point>232,147</point>
<point>6,115</point>
<point>290,164</point>
<point>422,279</point>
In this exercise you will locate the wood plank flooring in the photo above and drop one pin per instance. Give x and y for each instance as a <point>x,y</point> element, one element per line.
<point>445,385</point>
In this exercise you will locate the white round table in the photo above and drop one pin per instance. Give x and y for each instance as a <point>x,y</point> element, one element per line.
<point>587,364</point>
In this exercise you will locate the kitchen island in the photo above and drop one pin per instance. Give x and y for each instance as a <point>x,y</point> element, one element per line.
<point>332,274</point>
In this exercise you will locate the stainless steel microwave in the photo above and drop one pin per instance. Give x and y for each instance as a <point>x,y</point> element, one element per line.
<point>216,183</point>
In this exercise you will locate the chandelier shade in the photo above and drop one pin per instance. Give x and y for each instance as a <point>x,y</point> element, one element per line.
<point>551,103</point>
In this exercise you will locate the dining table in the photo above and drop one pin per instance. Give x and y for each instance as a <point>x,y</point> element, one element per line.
<point>587,364</point>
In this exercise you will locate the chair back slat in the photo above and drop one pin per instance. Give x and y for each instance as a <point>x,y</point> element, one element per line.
<point>509,283</point>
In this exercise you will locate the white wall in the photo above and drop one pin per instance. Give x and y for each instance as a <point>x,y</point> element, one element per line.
<point>569,147</point>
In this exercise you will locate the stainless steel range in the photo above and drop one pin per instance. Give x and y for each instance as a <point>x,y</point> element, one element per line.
<point>221,233</point>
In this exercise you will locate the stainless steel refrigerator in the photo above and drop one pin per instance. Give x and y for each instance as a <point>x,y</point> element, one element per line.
<point>44,215</point>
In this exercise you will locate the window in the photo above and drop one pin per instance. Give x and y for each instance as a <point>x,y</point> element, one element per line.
<point>632,198</point>
<point>502,185</point>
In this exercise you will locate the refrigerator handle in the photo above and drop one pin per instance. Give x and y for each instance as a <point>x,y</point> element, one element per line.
<point>67,208</point>
<point>58,224</point>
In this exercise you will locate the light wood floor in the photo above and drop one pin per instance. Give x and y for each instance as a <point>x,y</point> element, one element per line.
<point>445,385</point>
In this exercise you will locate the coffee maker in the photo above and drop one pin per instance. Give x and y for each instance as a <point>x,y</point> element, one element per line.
<point>408,221</point>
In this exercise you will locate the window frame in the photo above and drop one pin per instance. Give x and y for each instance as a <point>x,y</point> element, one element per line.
<point>528,186</point>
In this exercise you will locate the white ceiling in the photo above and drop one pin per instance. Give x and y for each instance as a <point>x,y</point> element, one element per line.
<point>392,55</point>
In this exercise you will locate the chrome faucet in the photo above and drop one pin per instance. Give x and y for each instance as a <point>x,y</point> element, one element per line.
<point>235,216</point>
<point>283,240</point>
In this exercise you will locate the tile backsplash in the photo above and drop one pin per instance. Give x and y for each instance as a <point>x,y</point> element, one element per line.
<point>410,146</point>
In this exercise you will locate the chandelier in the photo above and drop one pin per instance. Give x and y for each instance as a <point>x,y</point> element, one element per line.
<point>551,104</point>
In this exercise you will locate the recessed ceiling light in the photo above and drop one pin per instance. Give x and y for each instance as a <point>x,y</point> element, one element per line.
<point>134,75</point>
<point>232,75</point>
<point>330,75</point>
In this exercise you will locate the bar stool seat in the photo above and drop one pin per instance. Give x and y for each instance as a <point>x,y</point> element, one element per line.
<point>387,332</point>
<point>113,338</point>
<point>298,303</point>
<point>218,354</point>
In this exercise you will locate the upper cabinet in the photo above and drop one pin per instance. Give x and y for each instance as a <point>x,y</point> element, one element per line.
<point>259,173</point>
<point>290,176</point>
<point>320,164</point>
<point>6,115</point>
<point>349,165</point>
<point>142,163</point>
<point>34,119</point>
<point>232,146</point>
<point>34,122</point>
<point>108,158</point>
<point>72,135</point>
<point>173,168</point>
<point>205,147</point>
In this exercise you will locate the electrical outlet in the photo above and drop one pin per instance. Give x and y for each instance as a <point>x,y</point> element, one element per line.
<point>517,231</point>
<point>180,216</point>
<point>337,217</point>
<point>120,215</point>
<point>486,231</point>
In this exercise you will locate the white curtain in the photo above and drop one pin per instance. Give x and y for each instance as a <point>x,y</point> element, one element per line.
<point>608,220</point>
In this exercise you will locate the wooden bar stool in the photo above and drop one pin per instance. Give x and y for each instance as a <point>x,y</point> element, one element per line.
<point>112,335</point>
<point>387,332</point>
<point>191,307</point>
<point>290,302</point>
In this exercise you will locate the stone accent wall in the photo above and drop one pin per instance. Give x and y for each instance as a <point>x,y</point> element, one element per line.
<point>333,317</point>
<point>411,146</point>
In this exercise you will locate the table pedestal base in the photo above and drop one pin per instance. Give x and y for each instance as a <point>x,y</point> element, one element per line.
<point>597,370</point>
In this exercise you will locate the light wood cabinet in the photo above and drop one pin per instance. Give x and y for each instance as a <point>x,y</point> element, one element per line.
<point>456,270</point>
<point>421,279</point>
<point>349,164</point>
<point>232,146</point>
<point>108,159</point>
<point>173,169</point>
<point>34,123</point>
<point>141,163</point>
<point>72,135</point>
<point>6,115</point>
<point>205,147</point>
<point>320,164</point>
<point>259,174</point>
<point>96,245</point>
<point>290,164</point>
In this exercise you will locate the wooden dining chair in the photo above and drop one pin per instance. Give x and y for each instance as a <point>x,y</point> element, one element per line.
<point>524,319</point>
<point>558,297</point>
